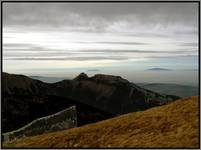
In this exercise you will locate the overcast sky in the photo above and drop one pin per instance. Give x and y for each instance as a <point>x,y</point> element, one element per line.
<point>66,35</point>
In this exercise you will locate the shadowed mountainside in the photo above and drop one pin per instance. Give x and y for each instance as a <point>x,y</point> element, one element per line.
<point>175,125</point>
<point>18,111</point>
<point>96,98</point>
<point>24,100</point>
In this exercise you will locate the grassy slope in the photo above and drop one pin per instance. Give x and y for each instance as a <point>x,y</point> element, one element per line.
<point>172,125</point>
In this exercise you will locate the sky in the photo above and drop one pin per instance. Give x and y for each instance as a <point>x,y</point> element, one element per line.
<point>52,36</point>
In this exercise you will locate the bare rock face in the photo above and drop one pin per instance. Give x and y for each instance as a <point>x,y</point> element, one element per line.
<point>64,119</point>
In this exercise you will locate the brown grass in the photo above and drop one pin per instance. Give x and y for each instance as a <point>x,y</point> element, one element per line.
<point>171,126</point>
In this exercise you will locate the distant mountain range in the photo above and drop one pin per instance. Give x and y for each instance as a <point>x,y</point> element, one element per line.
<point>49,79</point>
<point>158,69</point>
<point>96,98</point>
<point>171,89</point>
<point>93,70</point>
<point>164,88</point>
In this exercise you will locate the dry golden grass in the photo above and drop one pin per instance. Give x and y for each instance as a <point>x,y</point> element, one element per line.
<point>171,126</point>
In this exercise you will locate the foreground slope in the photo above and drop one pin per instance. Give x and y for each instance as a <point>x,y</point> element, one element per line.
<point>172,125</point>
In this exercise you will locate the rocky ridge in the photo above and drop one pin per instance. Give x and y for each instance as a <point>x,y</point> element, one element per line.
<point>96,98</point>
<point>64,119</point>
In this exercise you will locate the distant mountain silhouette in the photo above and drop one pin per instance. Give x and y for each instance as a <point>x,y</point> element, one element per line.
<point>93,70</point>
<point>171,89</point>
<point>96,98</point>
<point>48,79</point>
<point>158,69</point>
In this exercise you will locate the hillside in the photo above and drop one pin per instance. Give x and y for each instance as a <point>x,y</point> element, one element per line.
<point>25,99</point>
<point>171,89</point>
<point>96,98</point>
<point>170,126</point>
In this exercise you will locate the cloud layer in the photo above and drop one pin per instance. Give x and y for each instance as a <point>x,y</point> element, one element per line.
<point>97,31</point>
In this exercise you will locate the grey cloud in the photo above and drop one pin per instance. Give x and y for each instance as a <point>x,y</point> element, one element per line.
<point>46,54</point>
<point>78,58</point>
<point>84,55</point>
<point>68,58</point>
<point>48,15</point>
<point>98,17</point>
<point>121,43</point>
<point>189,44</point>
<point>46,11</point>
<point>140,51</point>
<point>11,50</point>
<point>17,45</point>
<point>43,51</point>
<point>173,56</point>
<point>33,49</point>
<point>14,47</point>
<point>189,32</point>
<point>160,35</point>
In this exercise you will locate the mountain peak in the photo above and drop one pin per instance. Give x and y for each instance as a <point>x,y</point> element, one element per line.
<point>81,76</point>
<point>159,69</point>
<point>109,78</point>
